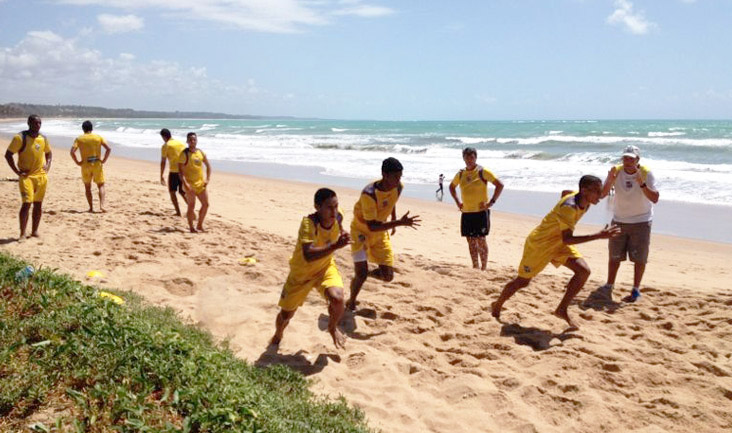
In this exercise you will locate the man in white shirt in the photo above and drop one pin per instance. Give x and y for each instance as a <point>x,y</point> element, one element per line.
<point>635,194</point>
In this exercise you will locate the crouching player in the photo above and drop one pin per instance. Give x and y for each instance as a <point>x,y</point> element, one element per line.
<point>312,265</point>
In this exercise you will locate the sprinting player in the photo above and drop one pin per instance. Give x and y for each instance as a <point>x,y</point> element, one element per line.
<point>312,266</point>
<point>440,191</point>
<point>369,228</point>
<point>635,194</point>
<point>34,162</point>
<point>171,151</point>
<point>190,170</point>
<point>90,146</point>
<point>475,219</point>
<point>552,241</point>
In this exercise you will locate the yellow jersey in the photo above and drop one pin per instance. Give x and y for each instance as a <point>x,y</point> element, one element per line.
<point>563,216</point>
<point>192,166</point>
<point>172,150</point>
<point>31,154</point>
<point>311,232</point>
<point>374,205</point>
<point>473,187</point>
<point>90,146</point>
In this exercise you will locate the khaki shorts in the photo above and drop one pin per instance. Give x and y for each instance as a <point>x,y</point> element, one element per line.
<point>295,290</point>
<point>33,188</point>
<point>634,241</point>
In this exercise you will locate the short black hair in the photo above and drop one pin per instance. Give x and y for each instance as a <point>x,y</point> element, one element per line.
<point>470,150</point>
<point>33,116</point>
<point>322,195</point>
<point>588,180</point>
<point>189,135</point>
<point>165,133</point>
<point>391,165</point>
<point>87,126</point>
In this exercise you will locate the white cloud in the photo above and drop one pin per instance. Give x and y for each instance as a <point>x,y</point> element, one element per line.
<point>633,21</point>
<point>275,16</point>
<point>120,23</point>
<point>45,67</point>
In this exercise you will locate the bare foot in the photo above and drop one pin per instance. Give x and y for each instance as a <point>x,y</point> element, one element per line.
<point>339,340</point>
<point>496,311</point>
<point>103,210</point>
<point>192,230</point>
<point>564,315</point>
<point>200,229</point>
<point>90,210</point>
<point>178,214</point>
<point>35,235</point>
<point>351,305</point>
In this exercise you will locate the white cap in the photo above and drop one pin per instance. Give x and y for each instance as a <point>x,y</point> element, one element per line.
<point>631,151</point>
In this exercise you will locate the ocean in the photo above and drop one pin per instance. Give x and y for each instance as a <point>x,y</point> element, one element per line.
<point>691,159</point>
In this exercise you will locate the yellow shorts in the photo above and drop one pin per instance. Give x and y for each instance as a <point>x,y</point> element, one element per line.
<point>33,187</point>
<point>536,257</point>
<point>198,187</point>
<point>374,247</point>
<point>92,170</point>
<point>295,291</point>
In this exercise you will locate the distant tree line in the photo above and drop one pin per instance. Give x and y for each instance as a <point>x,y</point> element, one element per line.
<point>14,109</point>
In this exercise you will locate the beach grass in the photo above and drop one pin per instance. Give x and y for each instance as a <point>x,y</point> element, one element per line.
<point>72,361</point>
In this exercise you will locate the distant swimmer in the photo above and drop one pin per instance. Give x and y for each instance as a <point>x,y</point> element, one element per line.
<point>312,266</point>
<point>190,171</point>
<point>90,146</point>
<point>34,162</point>
<point>475,219</point>
<point>635,194</point>
<point>440,192</point>
<point>552,241</point>
<point>170,151</point>
<point>370,230</point>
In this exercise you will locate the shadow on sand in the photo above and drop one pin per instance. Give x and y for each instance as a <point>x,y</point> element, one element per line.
<point>537,339</point>
<point>297,361</point>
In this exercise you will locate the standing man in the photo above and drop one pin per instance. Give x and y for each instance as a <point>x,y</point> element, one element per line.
<point>475,218</point>
<point>90,145</point>
<point>635,194</point>
<point>190,171</point>
<point>171,151</point>
<point>440,192</point>
<point>370,230</point>
<point>34,161</point>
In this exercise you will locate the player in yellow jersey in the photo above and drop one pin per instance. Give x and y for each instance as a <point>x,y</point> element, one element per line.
<point>369,228</point>
<point>552,241</point>
<point>170,152</point>
<point>190,171</point>
<point>312,266</point>
<point>34,162</point>
<point>475,218</point>
<point>91,163</point>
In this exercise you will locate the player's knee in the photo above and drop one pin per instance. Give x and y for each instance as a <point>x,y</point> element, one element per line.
<point>583,271</point>
<point>335,295</point>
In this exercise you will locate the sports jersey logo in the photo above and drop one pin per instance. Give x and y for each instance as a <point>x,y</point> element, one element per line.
<point>628,184</point>
<point>362,238</point>
<point>469,178</point>
<point>385,203</point>
<point>38,146</point>
<point>527,268</point>
<point>197,161</point>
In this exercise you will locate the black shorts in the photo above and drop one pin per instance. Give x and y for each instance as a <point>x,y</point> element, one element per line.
<point>174,183</point>
<point>475,224</point>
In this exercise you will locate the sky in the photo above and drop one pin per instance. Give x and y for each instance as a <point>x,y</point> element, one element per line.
<point>374,59</point>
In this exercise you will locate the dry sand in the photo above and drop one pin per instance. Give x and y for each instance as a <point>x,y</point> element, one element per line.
<point>424,354</point>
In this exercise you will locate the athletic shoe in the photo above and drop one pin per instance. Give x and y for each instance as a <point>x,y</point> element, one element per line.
<point>634,294</point>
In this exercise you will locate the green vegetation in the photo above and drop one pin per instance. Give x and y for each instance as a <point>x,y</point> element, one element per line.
<point>16,109</point>
<point>72,361</point>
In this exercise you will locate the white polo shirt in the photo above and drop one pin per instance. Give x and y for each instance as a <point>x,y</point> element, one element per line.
<point>631,205</point>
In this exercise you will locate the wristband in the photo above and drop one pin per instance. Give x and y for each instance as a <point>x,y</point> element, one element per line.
<point>643,185</point>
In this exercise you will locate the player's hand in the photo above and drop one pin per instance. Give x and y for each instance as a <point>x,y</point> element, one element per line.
<point>343,240</point>
<point>460,205</point>
<point>638,178</point>
<point>393,231</point>
<point>162,181</point>
<point>612,173</point>
<point>22,173</point>
<point>610,231</point>
<point>408,221</point>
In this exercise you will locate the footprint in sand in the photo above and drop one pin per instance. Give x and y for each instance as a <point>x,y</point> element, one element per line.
<point>180,287</point>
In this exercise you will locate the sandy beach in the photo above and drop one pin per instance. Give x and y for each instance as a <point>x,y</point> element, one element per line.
<point>424,353</point>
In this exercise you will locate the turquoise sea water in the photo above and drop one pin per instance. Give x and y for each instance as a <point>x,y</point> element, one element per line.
<point>692,159</point>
